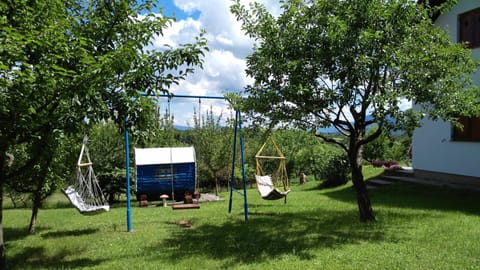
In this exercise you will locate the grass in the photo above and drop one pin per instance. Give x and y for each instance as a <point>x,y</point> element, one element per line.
<point>417,227</point>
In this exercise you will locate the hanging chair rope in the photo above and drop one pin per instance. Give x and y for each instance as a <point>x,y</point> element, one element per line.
<point>85,194</point>
<point>267,183</point>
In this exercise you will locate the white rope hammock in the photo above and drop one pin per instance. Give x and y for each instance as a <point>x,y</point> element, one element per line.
<point>85,194</point>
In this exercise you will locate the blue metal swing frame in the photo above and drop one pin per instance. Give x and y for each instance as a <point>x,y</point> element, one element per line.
<point>237,133</point>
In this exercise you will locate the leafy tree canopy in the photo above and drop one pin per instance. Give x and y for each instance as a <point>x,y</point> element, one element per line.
<point>323,63</point>
<point>65,65</point>
<point>65,61</point>
<point>350,64</point>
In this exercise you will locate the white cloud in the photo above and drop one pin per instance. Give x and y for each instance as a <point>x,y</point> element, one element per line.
<point>183,31</point>
<point>224,63</point>
<point>223,30</point>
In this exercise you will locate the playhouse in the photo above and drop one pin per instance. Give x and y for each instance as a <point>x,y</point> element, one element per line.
<point>167,170</point>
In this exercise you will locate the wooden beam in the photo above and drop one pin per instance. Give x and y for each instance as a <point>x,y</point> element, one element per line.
<point>185,206</point>
<point>269,157</point>
<point>85,164</point>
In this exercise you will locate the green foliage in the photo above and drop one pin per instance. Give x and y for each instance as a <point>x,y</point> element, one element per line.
<point>321,60</point>
<point>336,170</point>
<point>68,61</point>
<point>397,151</point>
<point>375,150</point>
<point>40,166</point>
<point>388,147</point>
<point>328,57</point>
<point>349,64</point>
<point>107,151</point>
<point>66,65</point>
<point>313,157</point>
<point>213,146</point>
<point>303,152</point>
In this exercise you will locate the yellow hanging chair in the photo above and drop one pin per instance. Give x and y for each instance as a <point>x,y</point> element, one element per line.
<point>271,172</point>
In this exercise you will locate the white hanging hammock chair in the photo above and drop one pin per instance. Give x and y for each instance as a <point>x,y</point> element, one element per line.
<point>85,194</point>
<point>267,183</point>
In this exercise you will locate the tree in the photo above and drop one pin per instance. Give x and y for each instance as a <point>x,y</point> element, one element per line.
<point>350,64</point>
<point>375,150</point>
<point>65,65</point>
<point>107,151</point>
<point>213,147</point>
<point>35,181</point>
<point>388,146</point>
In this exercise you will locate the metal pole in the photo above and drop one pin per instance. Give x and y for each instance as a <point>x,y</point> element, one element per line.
<point>233,162</point>
<point>242,152</point>
<point>182,96</point>
<point>127,161</point>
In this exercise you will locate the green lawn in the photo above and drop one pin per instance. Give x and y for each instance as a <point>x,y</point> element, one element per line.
<point>418,227</point>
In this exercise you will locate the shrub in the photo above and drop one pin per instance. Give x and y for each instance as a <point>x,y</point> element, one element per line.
<point>383,163</point>
<point>336,170</point>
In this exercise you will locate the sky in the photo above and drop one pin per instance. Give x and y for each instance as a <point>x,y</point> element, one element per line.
<point>224,64</point>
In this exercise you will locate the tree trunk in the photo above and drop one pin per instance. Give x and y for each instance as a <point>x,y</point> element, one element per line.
<point>37,201</point>
<point>3,261</point>
<point>363,200</point>
<point>38,192</point>
<point>111,198</point>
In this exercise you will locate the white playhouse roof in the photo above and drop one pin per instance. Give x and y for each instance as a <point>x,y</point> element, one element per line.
<point>164,155</point>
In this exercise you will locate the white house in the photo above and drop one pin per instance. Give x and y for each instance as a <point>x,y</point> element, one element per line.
<point>440,152</point>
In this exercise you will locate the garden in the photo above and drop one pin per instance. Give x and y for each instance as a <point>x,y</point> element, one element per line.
<point>71,69</point>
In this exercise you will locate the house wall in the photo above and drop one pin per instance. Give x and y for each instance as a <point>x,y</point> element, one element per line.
<point>449,21</point>
<point>435,155</point>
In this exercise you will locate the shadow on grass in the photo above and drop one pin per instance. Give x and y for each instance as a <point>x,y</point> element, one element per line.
<point>57,234</point>
<point>415,196</point>
<point>13,234</point>
<point>270,235</point>
<point>37,258</point>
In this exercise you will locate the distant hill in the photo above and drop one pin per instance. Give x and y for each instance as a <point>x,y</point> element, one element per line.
<point>182,128</point>
<point>328,130</point>
<point>324,130</point>
<point>332,130</point>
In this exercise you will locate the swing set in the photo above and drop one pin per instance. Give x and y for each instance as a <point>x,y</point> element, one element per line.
<point>237,135</point>
<point>88,198</point>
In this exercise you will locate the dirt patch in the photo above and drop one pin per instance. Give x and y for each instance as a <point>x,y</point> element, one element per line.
<point>208,197</point>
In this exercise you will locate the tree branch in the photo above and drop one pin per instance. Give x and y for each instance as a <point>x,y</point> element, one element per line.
<point>331,140</point>
<point>373,136</point>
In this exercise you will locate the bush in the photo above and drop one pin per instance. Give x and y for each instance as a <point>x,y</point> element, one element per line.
<point>336,170</point>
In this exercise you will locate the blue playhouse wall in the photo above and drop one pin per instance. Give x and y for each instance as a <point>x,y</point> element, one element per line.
<point>155,180</point>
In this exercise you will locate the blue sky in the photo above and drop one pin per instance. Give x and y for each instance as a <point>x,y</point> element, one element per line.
<point>169,9</point>
<point>224,64</point>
